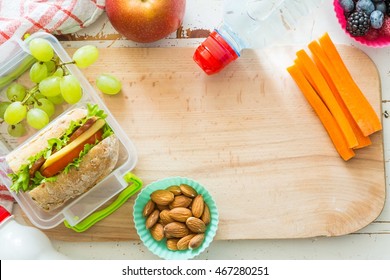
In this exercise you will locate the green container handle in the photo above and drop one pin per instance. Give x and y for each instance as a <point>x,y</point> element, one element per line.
<point>134,187</point>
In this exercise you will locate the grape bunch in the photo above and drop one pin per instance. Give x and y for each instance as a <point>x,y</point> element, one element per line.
<point>53,85</point>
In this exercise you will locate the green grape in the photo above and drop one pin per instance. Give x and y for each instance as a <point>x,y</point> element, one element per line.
<point>50,86</point>
<point>70,89</point>
<point>37,118</point>
<point>59,72</point>
<point>16,130</point>
<point>51,66</point>
<point>56,100</point>
<point>15,113</point>
<point>108,84</point>
<point>38,72</point>
<point>45,105</point>
<point>38,95</point>
<point>41,49</point>
<point>16,92</point>
<point>85,56</point>
<point>3,107</point>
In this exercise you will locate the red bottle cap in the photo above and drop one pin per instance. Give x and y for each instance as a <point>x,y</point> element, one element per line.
<point>4,214</point>
<point>214,54</point>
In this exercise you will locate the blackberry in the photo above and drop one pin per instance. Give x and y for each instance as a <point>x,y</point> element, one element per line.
<point>358,23</point>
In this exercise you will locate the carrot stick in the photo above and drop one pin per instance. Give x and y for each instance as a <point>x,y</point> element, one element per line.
<point>359,107</point>
<point>319,83</point>
<point>363,141</point>
<point>305,72</point>
<point>323,113</point>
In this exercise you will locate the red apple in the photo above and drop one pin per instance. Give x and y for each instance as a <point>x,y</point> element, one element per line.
<point>145,21</point>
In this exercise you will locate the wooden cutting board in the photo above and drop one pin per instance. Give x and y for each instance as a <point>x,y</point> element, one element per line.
<point>249,136</point>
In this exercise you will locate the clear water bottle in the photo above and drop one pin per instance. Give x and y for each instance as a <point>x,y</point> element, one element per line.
<point>249,24</point>
<point>20,242</point>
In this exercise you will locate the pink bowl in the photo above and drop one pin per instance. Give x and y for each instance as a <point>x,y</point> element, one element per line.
<point>379,42</point>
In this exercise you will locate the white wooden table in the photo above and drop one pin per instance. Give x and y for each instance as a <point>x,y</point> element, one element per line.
<point>372,242</point>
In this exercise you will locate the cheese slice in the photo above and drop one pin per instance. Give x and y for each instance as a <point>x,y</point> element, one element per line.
<point>83,137</point>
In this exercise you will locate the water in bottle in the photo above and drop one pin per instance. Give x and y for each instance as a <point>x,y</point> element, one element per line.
<point>21,242</point>
<point>249,24</point>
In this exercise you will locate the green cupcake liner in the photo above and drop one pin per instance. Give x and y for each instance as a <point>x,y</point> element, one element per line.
<point>159,248</point>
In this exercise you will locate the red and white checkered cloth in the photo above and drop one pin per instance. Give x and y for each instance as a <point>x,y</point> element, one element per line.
<point>18,17</point>
<point>6,199</point>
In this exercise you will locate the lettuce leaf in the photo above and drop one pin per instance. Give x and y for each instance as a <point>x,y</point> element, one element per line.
<point>95,111</point>
<point>20,180</point>
<point>39,179</point>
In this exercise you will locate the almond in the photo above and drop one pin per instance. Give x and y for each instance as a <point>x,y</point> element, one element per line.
<point>174,189</point>
<point>183,242</point>
<point>196,241</point>
<point>162,207</point>
<point>165,217</point>
<point>157,232</point>
<point>206,216</point>
<point>162,197</point>
<point>180,214</point>
<point>172,244</point>
<point>196,225</point>
<point>149,208</point>
<point>180,201</point>
<point>188,190</point>
<point>152,219</point>
<point>176,229</point>
<point>197,206</point>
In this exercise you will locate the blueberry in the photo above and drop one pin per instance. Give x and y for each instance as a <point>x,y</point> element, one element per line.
<point>381,6</point>
<point>366,6</point>
<point>376,19</point>
<point>347,5</point>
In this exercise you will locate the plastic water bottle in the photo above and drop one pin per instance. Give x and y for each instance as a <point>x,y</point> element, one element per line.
<point>22,242</point>
<point>249,24</point>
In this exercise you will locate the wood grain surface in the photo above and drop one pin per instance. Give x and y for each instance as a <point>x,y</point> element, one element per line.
<point>248,135</point>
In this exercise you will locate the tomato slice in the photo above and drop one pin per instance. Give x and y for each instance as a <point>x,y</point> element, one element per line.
<point>60,164</point>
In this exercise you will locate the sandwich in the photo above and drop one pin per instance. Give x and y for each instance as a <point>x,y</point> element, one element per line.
<point>65,160</point>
